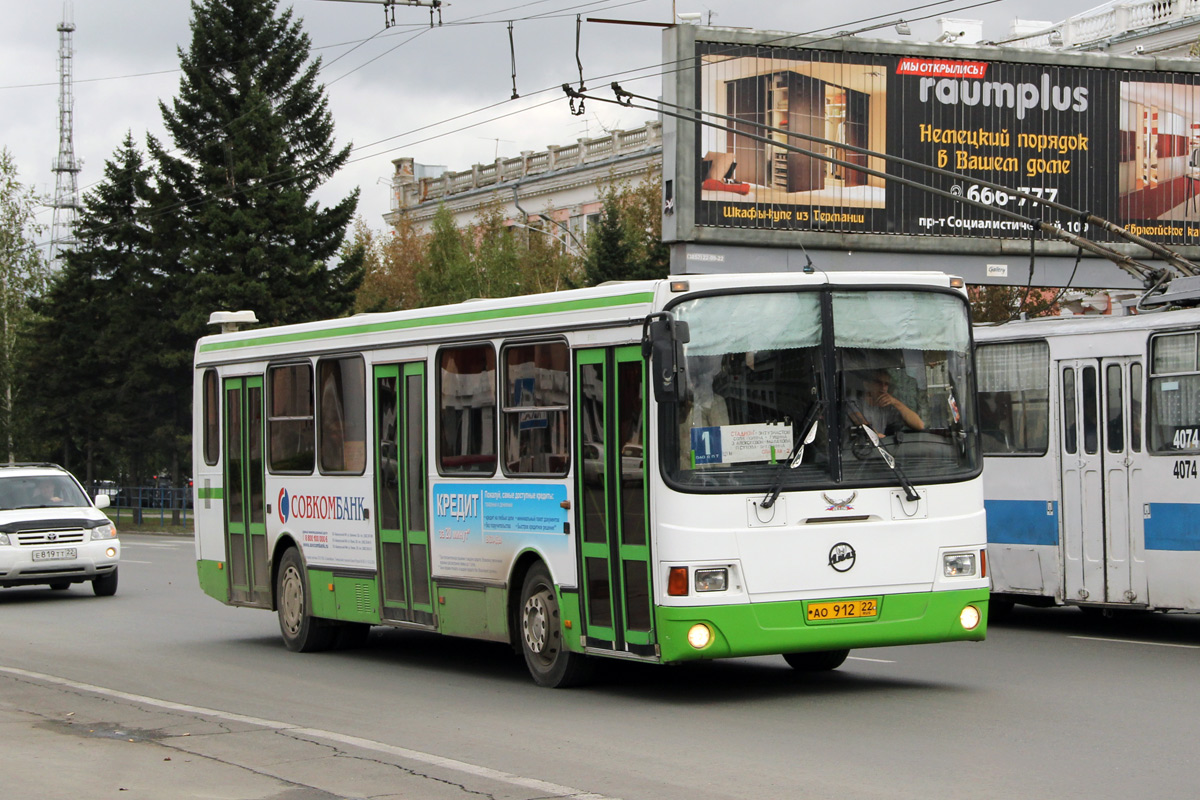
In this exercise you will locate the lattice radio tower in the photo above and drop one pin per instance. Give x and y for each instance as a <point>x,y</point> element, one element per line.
<point>66,167</point>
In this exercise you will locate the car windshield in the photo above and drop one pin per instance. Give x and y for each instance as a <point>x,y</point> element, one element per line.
<point>40,491</point>
<point>893,369</point>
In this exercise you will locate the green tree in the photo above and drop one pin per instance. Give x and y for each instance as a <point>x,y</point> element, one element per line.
<point>995,303</point>
<point>253,141</point>
<point>608,255</point>
<point>98,394</point>
<point>23,275</point>
<point>391,263</point>
<point>447,275</point>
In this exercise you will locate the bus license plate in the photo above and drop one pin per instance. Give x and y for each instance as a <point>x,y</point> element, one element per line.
<point>843,609</point>
<point>61,554</point>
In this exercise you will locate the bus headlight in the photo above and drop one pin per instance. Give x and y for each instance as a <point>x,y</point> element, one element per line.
<point>712,580</point>
<point>958,565</point>
<point>969,617</point>
<point>699,636</point>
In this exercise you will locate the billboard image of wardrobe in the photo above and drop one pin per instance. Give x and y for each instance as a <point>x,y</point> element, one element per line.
<point>802,104</point>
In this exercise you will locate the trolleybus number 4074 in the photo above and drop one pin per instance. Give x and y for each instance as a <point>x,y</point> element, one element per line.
<point>843,609</point>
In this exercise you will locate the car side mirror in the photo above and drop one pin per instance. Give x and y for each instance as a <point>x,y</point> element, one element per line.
<point>103,501</point>
<point>663,338</point>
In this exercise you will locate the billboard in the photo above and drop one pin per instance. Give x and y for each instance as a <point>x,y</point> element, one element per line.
<point>1116,136</point>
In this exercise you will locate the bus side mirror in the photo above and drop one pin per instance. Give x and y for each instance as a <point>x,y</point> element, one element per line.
<point>663,339</point>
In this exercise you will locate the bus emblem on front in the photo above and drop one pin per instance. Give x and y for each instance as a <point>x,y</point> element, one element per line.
<point>841,557</point>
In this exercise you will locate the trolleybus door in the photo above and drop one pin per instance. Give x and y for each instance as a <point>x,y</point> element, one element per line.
<point>401,518</point>
<point>1082,481</point>
<point>245,501</point>
<point>1124,572</point>
<point>610,470</point>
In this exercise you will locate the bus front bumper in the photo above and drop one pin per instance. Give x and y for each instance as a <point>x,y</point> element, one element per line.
<point>757,629</point>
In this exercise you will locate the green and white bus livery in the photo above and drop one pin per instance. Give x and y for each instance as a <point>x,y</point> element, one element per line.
<point>705,467</point>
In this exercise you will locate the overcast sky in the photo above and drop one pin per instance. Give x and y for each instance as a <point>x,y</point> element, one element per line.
<point>405,91</point>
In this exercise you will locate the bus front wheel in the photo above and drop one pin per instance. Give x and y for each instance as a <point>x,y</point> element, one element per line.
<point>821,661</point>
<point>540,633</point>
<point>302,633</point>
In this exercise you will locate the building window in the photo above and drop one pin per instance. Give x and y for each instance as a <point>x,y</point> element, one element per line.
<point>535,408</point>
<point>290,423</point>
<point>467,410</point>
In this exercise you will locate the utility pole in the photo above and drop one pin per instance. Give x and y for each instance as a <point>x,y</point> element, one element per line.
<point>66,167</point>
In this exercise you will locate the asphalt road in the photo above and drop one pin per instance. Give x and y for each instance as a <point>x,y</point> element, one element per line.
<point>161,692</point>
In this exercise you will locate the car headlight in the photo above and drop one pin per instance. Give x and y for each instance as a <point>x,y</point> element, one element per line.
<point>958,565</point>
<point>3,538</point>
<point>106,531</point>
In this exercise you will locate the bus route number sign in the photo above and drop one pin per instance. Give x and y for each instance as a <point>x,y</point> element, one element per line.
<point>843,609</point>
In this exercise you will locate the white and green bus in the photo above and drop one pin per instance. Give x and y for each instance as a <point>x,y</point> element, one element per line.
<point>705,467</point>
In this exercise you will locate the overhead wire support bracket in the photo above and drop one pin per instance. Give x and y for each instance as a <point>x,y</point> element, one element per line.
<point>1150,276</point>
<point>512,52</point>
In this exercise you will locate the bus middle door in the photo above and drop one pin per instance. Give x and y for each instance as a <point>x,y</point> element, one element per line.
<point>245,502</point>
<point>1083,550</point>
<point>614,546</point>
<point>402,527</point>
<point>1125,580</point>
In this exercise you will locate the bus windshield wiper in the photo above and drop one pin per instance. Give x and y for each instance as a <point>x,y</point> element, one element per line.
<point>808,432</point>
<point>910,493</point>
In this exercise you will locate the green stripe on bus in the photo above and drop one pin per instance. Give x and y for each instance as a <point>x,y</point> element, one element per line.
<point>211,493</point>
<point>445,319</point>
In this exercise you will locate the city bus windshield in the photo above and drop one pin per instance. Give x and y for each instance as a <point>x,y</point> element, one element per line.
<point>885,374</point>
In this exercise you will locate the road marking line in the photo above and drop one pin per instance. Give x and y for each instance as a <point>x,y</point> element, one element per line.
<point>876,660</point>
<point>1133,641</point>
<point>544,787</point>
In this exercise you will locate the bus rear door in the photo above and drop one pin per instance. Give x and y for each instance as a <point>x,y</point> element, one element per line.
<point>245,504</point>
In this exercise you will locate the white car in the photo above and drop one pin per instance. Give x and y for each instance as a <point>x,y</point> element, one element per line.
<point>51,533</point>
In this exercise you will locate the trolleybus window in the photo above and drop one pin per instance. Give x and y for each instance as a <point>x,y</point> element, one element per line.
<point>535,408</point>
<point>343,414</point>
<point>1174,394</point>
<point>1014,397</point>
<point>467,409</point>
<point>1070,443</point>
<point>897,362</point>
<point>290,424</point>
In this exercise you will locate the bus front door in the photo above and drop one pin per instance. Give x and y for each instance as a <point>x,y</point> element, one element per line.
<point>1101,433</point>
<point>402,529</point>
<point>245,502</point>
<point>612,518</point>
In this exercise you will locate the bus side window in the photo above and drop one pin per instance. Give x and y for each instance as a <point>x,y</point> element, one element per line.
<point>343,415</point>
<point>1174,394</point>
<point>535,408</point>
<point>290,421</point>
<point>212,415</point>
<point>467,410</point>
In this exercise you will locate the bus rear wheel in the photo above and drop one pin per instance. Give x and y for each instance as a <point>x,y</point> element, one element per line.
<point>821,661</point>
<point>540,633</point>
<point>302,632</point>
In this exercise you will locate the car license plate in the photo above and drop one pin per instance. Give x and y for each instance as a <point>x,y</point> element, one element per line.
<point>843,609</point>
<point>61,554</point>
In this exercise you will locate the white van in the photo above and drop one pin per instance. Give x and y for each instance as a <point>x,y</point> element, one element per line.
<point>51,533</point>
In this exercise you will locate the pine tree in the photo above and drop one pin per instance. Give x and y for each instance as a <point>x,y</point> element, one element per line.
<point>608,248</point>
<point>99,391</point>
<point>253,140</point>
